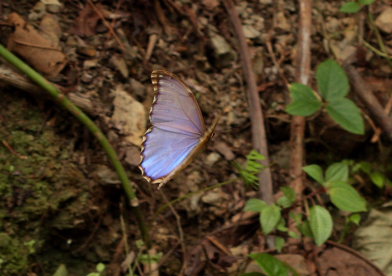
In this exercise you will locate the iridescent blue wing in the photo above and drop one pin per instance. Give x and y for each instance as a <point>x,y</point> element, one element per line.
<point>178,130</point>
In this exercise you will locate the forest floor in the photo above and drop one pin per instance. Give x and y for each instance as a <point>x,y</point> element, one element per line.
<point>63,207</point>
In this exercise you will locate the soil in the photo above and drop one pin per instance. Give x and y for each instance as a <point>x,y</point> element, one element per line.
<point>63,206</point>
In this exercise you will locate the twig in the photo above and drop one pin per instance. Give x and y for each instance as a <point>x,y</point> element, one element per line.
<point>298,122</point>
<point>9,76</point>
<point>364,92</point>
<point>95,130</point>
<point>180,231</point>
<point>102,17</point>
<point>302,76</point>
<point>258,130</point>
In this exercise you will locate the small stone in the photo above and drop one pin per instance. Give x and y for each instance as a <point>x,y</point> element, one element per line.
<point>86,77</point>
<point>213,197</point>
<point>90,63</point>
<point>119,63</point>
<point>137,88</point>
<point>106,175</point>
<point>87,51</point>
<point>251,32</point>
<point>212,158</point>
<point>223,52</point>
<point>225,150</point>
<point>265,2</point>
<point>132,156</point>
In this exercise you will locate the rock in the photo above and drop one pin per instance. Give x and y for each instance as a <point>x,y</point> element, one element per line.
<point>129,116</point>
<point>132,156</point>
<point>90,63</point>
<point>225,150</point>
<point>137,88</point>
<point>52,6</point>
<point>384,20</point>
<point>251,32</point>
<point>212,158</point>
<point>106,175</point>
<point>87,51</point>
<point>223,52</point>
<point>119,63</point>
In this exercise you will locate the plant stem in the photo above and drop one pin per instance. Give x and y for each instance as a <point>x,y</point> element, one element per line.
<point>82,117</point>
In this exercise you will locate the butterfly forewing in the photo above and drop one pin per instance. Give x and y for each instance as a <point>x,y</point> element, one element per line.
<point>177,127</point>
<point>175,108</point>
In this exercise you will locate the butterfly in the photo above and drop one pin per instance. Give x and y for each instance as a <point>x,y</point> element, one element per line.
<point>178,131</point>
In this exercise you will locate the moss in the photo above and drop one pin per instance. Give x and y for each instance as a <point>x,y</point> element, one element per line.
<point>13,256</point>
<point>41,188</point>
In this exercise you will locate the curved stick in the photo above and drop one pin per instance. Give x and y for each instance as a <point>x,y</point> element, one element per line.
<point>256,115</point>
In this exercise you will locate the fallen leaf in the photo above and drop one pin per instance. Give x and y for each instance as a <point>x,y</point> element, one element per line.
<point>35,47</point>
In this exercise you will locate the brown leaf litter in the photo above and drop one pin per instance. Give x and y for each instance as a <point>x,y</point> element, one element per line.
<point>38,47</point>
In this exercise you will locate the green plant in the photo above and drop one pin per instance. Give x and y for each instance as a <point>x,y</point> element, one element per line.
<point>335,180</point>
<point>333,87</point>
<point>270,214</point>
<point>100,269</point>
<point>376,175</point>
<point>318,225</point>
<point>355,6</point>
<point>252,167</point>
<point>271,266</point>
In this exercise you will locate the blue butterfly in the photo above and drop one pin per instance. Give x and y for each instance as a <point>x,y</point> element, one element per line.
<point>178,131</point>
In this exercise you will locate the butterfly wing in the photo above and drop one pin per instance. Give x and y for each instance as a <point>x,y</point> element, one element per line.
<point>177,128</point>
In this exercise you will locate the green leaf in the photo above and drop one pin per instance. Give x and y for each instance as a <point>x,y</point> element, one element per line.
<point>350,7</point>
<point>250,171</point>
<point>304,102</point>
<point>281,226</point>
<point>337,172</point>
<point>320,223</point>
<point>347,115</point>
<point>332,80</point>
<point>366,2</point>
<point>269,218</point>
<point>294,235</point>
<point>297,217</point>
<point>255,205</point>
<point>279,243</point>
<point>60,271</point>
<point>315,172</point>
<point>346,198</point>
<point>378,179</point>
<point>271,265</point>
<point>366,167</point>
<point>305,229</point>
<point>100,267</point>
<point>355,218</point>
<point>288,199</point>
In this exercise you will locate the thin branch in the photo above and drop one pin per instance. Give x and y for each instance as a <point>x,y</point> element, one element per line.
<point>364,92</point>
<point>256,115</point>
<point>298,122</point>
<point>13,78</point>
<point>95,130</point>
<point>302,76</point>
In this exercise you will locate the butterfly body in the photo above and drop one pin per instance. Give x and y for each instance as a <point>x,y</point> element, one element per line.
<point>178,130</point>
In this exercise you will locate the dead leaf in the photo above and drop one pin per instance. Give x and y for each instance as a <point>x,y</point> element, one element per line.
<point>374,238</point>
<point>87,21</point>
<point>384,20</point>
<point>35,47</point>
